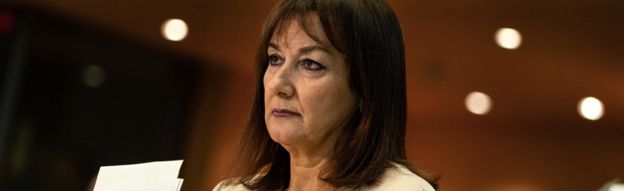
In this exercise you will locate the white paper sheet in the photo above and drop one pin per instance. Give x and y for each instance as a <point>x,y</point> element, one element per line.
<point>152,176</point>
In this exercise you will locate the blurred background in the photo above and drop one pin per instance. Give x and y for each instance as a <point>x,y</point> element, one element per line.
<point>502,95</point>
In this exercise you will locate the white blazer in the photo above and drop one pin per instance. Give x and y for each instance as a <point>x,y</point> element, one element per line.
<point>398,178</point>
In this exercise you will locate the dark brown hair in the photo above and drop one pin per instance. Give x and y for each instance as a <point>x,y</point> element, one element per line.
<point>368,33</point>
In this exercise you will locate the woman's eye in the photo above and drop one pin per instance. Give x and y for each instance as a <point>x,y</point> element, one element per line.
<point>274,60</point>
<point>312,65</point>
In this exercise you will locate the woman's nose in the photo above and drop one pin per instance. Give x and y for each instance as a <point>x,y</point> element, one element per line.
<point>281,83</point>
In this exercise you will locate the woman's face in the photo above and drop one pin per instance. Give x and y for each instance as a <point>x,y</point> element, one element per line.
<point>306,89</point>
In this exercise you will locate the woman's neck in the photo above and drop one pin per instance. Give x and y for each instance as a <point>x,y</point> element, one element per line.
<point>305,174</point>
<point>308,161</point>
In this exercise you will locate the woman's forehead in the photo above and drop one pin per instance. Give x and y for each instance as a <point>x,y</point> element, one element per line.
<point>306,27</point>
<point>293,35</point>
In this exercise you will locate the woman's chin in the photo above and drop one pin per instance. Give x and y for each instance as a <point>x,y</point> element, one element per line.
<point>284,138</point>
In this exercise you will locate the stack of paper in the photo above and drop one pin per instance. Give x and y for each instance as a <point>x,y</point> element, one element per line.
<point>152,176</point>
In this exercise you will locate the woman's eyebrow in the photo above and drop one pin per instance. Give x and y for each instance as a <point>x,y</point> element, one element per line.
<point>309,49</point>
<point>303,50</point>
<point>274,46</point>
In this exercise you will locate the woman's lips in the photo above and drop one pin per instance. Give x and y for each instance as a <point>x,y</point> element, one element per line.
<point>284,113</point>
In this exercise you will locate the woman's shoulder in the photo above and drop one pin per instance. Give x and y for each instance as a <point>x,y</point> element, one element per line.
<point>398,177</point>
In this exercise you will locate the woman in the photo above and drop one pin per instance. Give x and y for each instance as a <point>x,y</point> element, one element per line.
<point>330,105</point>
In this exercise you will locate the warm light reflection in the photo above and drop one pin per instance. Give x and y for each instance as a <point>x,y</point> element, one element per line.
<point>478,103</point>
<point>508,38</point>
<point>590,108</point>
<point>174,29</point>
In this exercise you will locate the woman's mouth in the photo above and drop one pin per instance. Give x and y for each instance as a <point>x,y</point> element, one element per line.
<point>284,113</point>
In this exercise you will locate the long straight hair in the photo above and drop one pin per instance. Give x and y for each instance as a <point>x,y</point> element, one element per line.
<point>367,32</point>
